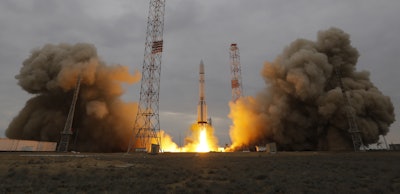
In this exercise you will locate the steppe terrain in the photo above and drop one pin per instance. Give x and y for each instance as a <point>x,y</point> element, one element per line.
<point>283,172</point>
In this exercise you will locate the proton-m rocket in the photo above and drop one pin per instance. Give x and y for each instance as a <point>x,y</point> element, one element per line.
<point>201,107</point>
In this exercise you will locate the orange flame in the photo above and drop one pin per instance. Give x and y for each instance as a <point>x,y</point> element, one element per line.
<point>202,145</point>
<point>246,122</point>
<point>201,139</point>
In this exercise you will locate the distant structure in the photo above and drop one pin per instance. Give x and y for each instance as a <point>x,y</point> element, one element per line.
<point>210,121</point>
<point>147,124</point>
<point>353,128</point>
<point>15,145</point>
<point>67,132</point>
<point>236,74</point>
<point>236,77</point>
<point>394,147</point>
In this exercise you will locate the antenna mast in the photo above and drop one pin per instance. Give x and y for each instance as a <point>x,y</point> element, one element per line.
<point>236,74</point>
<point>147,125</point>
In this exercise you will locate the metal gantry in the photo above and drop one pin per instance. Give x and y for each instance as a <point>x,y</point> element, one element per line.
<point>351,120</point>
<point>236,74</point>
<point>146,129</point>
<point>67,132</point>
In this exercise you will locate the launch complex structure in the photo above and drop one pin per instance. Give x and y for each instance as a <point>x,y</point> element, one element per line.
<point>236,72</point>
<point>66,134</point>
<point>353,130</point>
<point>146,129</point>
<point>147,124</point>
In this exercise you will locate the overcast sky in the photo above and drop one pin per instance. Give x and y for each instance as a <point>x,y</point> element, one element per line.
<point>195,30</point>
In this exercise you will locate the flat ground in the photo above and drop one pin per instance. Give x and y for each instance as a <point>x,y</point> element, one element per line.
<point>291,172</point>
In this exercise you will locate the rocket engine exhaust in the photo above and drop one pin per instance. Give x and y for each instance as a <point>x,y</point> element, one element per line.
<point>102,118</point>
<point>302,108</point>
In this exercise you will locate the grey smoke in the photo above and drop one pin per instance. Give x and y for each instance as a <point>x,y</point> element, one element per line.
<point>302,107</point>
<point>103,121</point>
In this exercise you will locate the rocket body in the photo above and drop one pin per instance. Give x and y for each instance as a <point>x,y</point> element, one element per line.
<point>201,107</point>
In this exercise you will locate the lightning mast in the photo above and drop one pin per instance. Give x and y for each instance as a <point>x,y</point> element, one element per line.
<point>147,125</point>
<point>236,74</point>
<point>67,132</point>
<point>351,120</point>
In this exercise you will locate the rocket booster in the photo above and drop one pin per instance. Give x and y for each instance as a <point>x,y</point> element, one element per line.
<point>201,107</point>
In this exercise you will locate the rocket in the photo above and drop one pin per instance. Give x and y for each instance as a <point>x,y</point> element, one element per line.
<point>201,107</point>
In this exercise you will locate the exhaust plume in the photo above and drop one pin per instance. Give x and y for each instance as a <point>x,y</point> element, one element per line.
<point>302,107</point>
<point>103,122</point>
<point>201,139</point>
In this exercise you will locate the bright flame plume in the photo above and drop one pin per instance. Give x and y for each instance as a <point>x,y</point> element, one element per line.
<point>203,146</point>
<point>201,139</point>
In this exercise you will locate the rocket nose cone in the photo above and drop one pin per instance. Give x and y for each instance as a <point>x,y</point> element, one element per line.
<point>201,67</point>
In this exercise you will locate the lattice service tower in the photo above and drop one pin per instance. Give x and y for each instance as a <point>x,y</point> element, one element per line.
<point>67,132</point>
<point>351,120</point>
<point>236,74</point>
<point>147,124</point>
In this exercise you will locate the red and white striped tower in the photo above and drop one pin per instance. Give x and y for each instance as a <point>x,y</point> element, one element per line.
<point>236,74</point>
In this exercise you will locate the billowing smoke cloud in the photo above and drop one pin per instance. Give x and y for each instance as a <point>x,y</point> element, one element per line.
<point>103,122</point>
<point>302,107</point>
